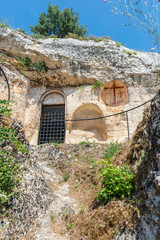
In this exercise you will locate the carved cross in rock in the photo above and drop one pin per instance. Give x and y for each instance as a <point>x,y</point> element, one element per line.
<point>114,88</point>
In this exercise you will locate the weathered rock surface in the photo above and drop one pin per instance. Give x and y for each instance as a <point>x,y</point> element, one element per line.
<point>150,220</point>
<point>73,62</point>
<point>146,152</point>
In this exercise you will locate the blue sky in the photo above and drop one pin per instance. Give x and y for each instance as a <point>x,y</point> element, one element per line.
<point>94,13</point>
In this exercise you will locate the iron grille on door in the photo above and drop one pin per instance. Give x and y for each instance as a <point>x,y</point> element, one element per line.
<point>52,124</point>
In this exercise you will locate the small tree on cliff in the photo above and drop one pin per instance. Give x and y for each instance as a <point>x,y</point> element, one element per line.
<point>145,14</point>
<point>58,22</point>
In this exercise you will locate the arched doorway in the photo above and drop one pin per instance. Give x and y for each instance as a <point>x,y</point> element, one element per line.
<point>114,93</point>
<point>52,127</point>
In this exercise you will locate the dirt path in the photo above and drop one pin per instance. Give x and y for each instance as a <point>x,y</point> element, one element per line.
<point>50,225</point>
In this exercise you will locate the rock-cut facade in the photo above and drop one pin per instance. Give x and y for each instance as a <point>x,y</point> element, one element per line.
<point>85,80</point>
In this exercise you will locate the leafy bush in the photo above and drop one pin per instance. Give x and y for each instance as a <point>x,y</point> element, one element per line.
<point>26,62</point>
<point>97,84</point>
<point>116,182</point>
<point>10,168</point>
<point>118,44</point>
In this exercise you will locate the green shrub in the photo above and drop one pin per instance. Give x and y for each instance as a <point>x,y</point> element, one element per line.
<point>10,168</point>
<point>116,182</point>
<point>106,39</point>
<point>4,23</point>
<point>65,178</point>
<point>111,150</point>
<point>118,44</point>
<point>83,143</point>
<point>94,38</point>
<point>72,35</point>
<point>97,84</point>
<point>26,62</point>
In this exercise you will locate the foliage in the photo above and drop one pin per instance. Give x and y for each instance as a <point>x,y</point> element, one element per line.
<point>83,143</point>
<point>58,22</point>
<point>106,39</point>
<point>97,84</point>
<point>116,182</point>
<point>26,62</point>
<point>69,225</point>
<point>21,30</point>
<point>111,150</point>
<point>4,110</point>
<point>118,44</point>
<point>130,53</point>
<point>94,38</point>
<point>65,178</point>
<point>4,23</point>
<point>75,36</point>
<point>144,14</point>
<point>10,176</point>
<point>52,218</point>
<point>38,36</point>
<point>10,168</point>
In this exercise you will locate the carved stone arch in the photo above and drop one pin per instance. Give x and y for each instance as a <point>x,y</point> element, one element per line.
<point>114,93</point>
<point>52,97</point>
<point>88,130</point>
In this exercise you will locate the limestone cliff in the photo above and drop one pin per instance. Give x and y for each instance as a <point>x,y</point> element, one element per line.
<point>145,156</point>
<point>73,62</point>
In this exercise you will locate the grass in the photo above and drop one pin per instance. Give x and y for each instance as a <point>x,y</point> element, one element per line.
<point>130,53</point>
<point>52,218</point>
<point>98,221</point>
<point>82,208</point>
<point>65,178</point>
<point>4,23</point>
<point>69,225</point>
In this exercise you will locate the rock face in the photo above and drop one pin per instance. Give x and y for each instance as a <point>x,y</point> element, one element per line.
<point>72,63</point>
<point>150,220</point>
<point>17,215</point>
<point>146,154</point>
